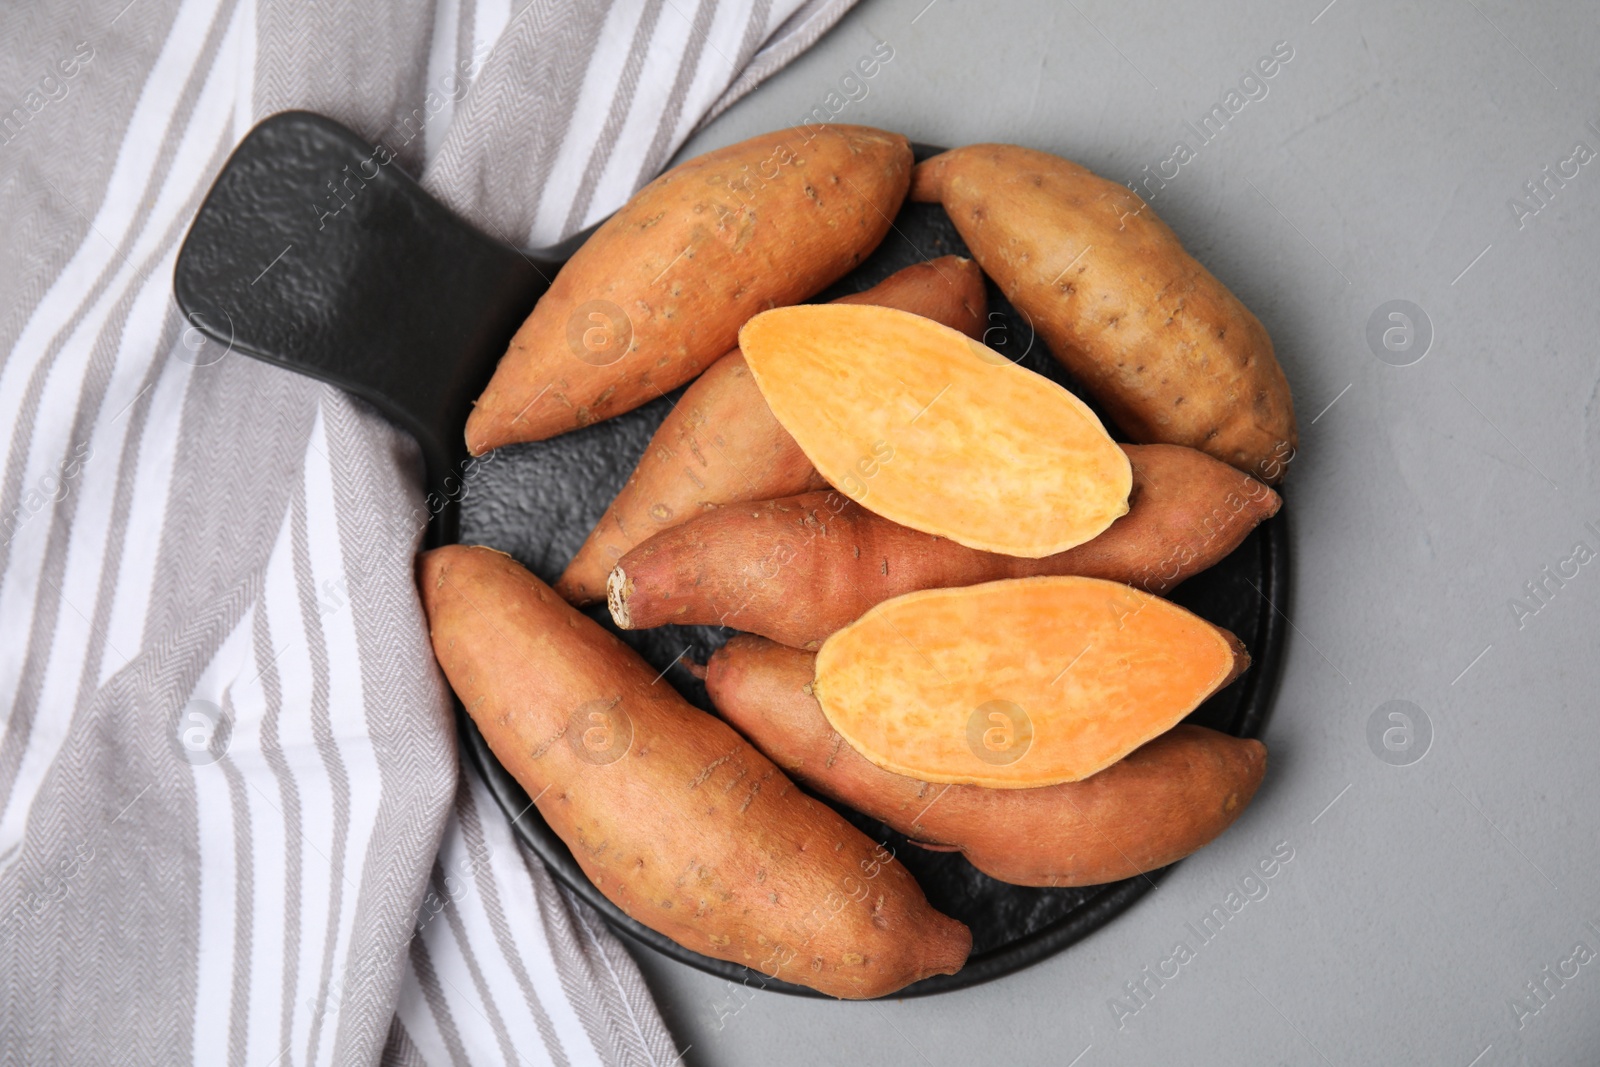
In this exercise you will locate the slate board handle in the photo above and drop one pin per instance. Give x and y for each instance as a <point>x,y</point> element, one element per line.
<point>314,251</point>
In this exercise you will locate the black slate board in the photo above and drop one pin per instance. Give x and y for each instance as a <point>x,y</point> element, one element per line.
<point>344,308</point>
<point>539,501</point>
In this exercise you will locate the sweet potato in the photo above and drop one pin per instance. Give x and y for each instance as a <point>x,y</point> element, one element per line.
<point>1018,683</point>
<point>1170,352</point>
<point>721,444</point>
<point>662,287</point>
<point>1153,807</point>
<point>923,425</point>
<point>797,569</point>
<point>673,816</point>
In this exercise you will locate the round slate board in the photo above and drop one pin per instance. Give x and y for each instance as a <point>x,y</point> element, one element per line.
<point>539,501</point>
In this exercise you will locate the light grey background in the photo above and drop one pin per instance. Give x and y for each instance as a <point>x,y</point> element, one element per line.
<point>1379,167</point>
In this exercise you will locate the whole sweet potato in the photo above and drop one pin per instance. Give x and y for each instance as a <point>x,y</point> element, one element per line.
<point>720,442</point>
<point>672,815</point>
<point>1171,353</point>
<point>1153,807</point>
<point>663,286</point>
<point>797,569</point>
<point>923,425</point>
<point>1018,683</point>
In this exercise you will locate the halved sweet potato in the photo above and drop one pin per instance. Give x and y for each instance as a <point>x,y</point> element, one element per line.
<point>673,816</point>
<point>720,442</point>
<point>1018,683</point>
<point>1153,807</point>
<point>799,568</point>
<point>662,287</point>
<point>929,428</point>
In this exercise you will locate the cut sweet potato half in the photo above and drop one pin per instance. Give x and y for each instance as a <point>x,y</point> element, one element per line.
<point>927,427</point>
<point>1018,683</point>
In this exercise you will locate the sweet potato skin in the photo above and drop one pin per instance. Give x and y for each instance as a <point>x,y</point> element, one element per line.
<point>795,570</point>
<point>948,290</point>
<point>662,287</point>
<point>721,443</point>
<point>1157,805</point>
<point>674,816</point>
<point>1171,353</point>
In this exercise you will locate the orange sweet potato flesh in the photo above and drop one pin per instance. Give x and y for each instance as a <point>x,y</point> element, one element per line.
<point>925,426</point>
<point>662,287</point>
<point>720,443</point>
<point>1172,354</point>
<point>797,569</point>
<point>1156,805</point>
<point>672,815</point>
<point>1018,683</point>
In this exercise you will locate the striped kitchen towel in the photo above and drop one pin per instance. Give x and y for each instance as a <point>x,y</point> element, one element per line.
<point>233,827</point>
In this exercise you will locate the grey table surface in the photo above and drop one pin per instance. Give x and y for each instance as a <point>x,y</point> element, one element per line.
<point>1427,898</point>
